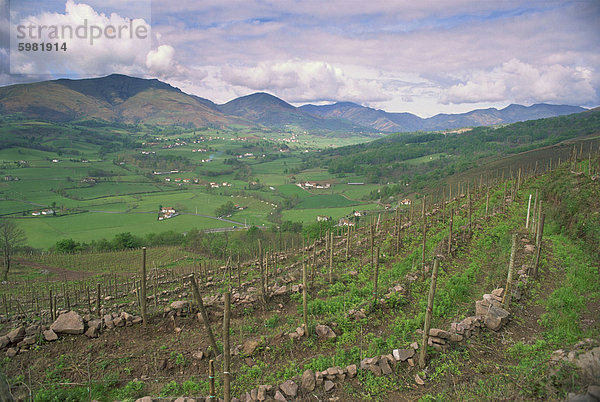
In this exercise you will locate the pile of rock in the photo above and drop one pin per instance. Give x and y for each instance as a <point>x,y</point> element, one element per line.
<point>356,314</point>
<point>379,365</point>
<point>490,308</point>
<point>384,364</point>
<point>439,339</point>
<point>298,333</point>
<point>467,327</point>
<point>22,338</point>
<point>111,321</point>
<point>289,390</point>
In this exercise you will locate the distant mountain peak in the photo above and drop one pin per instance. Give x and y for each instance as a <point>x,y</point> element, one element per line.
<point>119,97</point>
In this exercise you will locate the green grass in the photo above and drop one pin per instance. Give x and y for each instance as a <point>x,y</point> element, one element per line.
<point>45,232</point>
<point>310,215</point>
<point>325,201</point>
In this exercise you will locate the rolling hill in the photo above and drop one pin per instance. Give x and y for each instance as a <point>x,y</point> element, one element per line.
<point>404,122</point>
<point>268,110</point>
<point>124,99</point>
<point>115,98</point>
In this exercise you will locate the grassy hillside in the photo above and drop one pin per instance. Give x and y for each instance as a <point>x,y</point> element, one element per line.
<point>555,310</point>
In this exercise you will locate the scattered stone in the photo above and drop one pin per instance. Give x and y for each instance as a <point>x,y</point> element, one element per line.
<point>318,379</point>
<point>594,391</point>
<point>50,335</point>
<point>411,362</point>
<point>589,363</point>
<point>92,332</point>
<point>308,381</point>
<point>137,320</point>
<point>280,291</point>
<point>351,370</point>
<point>28,340</point>
<point>118,322</point>
<point>145,399</point>
<point>180,304</point>
<point>11,352</point>
<point>126,317</point>
<point>329,385</point>
<point>279,397</point>
<point>199,355</point>
<point>290,388</point>
<point>300,331</point>
<point>403,354</point>
<point>357,314</point>
<point>385,367</point>
<point>375,369</point>
<point>261,393</point>
<point>323,331</point>
<point>414,345</point>
<point>16,335</point>
<point>4,341</point>
<point>366,362</point>
<point>494,317</point>
<point>456,338</point>
<point>249,347</point>
<point>68,323</point>
<point>418,380</point>
<point>439,333</point>
<point>32,330</point>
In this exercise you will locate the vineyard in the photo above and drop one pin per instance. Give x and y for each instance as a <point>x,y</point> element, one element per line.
<point>296,313</point>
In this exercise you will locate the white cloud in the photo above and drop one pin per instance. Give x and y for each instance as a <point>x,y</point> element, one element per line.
<point>520,82</point>
<point>114,44</point>
<point>161,62</point>
<point>305,81</point>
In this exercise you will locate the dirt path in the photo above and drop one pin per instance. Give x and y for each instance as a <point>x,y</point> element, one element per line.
<point>61,273</point>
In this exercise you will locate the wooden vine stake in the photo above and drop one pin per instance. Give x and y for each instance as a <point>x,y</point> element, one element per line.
<point>376,279</point>
<point>424,239</point>
<point>304,297</point>
<point>450,233</point>
<point>511,265</point>
<point>211,379</point>
<point>97,302</point>
<point>470,221</point>
<point>533,218</point>
<point>226,353</point>
<point>262,274</point>
<point>204,314</point>
<point>487,203</point>
<point>538,244</point>
<point>143,295</point>
<point>331,247</point>
<point>348,243</point>
<point>428,312</point>
<point>528,210</point>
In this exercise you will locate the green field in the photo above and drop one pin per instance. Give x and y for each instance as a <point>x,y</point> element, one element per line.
<point>325,201</point>
<point>310,215</point>
<point>45,231</point>
<point>100,180</point>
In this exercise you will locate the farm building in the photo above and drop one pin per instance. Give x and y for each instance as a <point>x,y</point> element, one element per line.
<point>345,222</point>
<point>406,201</point>
<point>322,218</point>
<point>166,213</point>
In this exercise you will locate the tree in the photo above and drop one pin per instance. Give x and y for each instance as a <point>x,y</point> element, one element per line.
<point>11,238</point>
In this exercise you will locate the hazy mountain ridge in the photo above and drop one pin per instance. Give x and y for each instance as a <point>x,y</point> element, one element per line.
<point>121,98</point>
<point>398,122</point>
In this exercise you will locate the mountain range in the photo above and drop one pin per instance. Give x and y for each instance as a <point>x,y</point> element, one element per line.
<point>121,98</point>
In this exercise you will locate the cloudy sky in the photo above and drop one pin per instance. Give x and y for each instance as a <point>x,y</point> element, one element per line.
<point>424,57</point>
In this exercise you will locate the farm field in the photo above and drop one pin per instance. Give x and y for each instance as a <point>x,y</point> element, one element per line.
<point>44,232</point>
